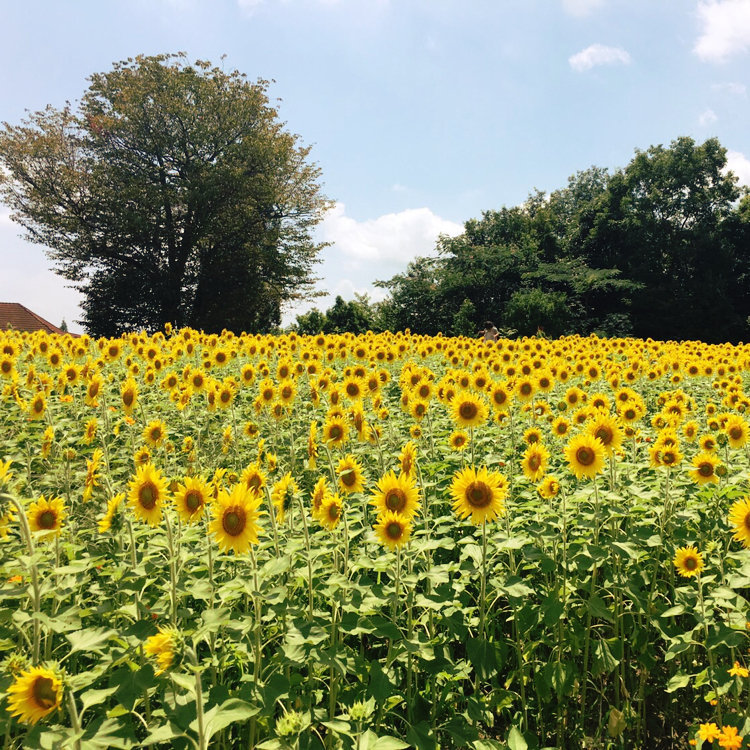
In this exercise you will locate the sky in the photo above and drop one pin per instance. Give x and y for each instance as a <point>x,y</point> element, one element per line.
<point>421,114</point>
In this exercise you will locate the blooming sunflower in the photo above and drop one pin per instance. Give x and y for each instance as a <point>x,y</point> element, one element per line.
<point>688,561</point>
<point>129,396</point>
<point>468,410</point>
<point>282,495</point>
<point>605,428</point>
<point>253,477</point>
<point>154,433</point>
<point>235,522</point>
<point>739,517</point>
<point>396,495</point>
<point>37,407</point>
<point>46,516</point>
<point>190,498</point>
<point>408,458</point>
<point>34,694</point>
<point>585,456</point>
<point>737,430</point>
<point>535,461</point>
<point>479,494</point>
<point>350,476</point>
<point>147,493</point>
<point>393,529</point>
<point>331,510</point>
<point>113,504</point>
<point>335,431</point>
<point>549,487</point>
<point>704,470</point>
<point>459,440</point>
<point>319,493</point>
<point>162,647</point>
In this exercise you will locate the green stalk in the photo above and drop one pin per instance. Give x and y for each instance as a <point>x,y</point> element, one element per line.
<point>711,662</point>
<point>34,573</point>
<point>172,572</point>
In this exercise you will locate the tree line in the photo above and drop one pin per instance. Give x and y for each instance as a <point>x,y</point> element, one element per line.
<point>658,249</point>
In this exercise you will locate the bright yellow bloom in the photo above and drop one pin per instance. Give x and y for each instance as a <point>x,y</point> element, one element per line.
<point>704,468</point>
<point>282,495</point>
<point>34,694</point>
<point>585,456</point>
<point>739,517</point>
<point>147,493</point>
<point>235,522</point>
<point>549,487</point>
<point>738,671</point>
<point>113,504</point>
<point>350,476</point>
<point>191,497</point>
<point>479,494</point>
<point>393,529</point>
<point>396,495</point>
<point>154,433</point>
<point>46,516</point>
<point>709,732</point>
<point>730,738</point>
<point>162,647</point>
<point>468,410</point>
<point>331,510</point>
<point>688,561</point>
<point>535,461</point>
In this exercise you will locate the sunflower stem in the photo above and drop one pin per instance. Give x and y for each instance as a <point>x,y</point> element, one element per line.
<point>709,652</point>
<point>172,572</point>
<point>33,572</point>
<point>74,721</point>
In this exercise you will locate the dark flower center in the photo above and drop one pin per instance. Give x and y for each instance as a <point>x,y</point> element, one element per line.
<point>44,692</point>
<point>147,496</point>
<point>193,500</point>
<point>585,456</point>
<point>47,519</point>
<point>233,521</point>
<point>478,495</point>
<point>395,499</point>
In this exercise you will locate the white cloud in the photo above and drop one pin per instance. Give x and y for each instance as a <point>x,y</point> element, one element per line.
<point>725,29</point>
<point>398,188</point>
<point>707,118</point>
<point>598,54</point>
<point>581,7</point>
<point>731,88</point>
<point>391,237</point>
<point>738,163</point>
<point>362,252</point>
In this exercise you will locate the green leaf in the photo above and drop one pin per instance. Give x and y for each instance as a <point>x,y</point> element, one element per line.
<point>387,742</point>
<point>516,740</point>
<point>680,680</point>
<point>678,609</point>
<point>230,712</point>
<point>482,657</point>
<point>90,639</point>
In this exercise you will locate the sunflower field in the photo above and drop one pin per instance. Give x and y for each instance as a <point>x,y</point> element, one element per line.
<point>373,542</point>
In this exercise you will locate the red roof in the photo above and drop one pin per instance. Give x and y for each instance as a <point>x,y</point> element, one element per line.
<point>15,315</point>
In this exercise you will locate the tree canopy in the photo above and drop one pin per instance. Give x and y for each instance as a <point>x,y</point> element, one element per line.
<point>171,193</point>
<point>659,248</point>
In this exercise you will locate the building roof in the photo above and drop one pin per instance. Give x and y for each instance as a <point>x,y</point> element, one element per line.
<point>15,315</point>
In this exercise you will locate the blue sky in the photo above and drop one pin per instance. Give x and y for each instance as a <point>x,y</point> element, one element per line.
<point>421,113</point>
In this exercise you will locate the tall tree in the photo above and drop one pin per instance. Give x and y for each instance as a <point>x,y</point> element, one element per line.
<point>171,193</point>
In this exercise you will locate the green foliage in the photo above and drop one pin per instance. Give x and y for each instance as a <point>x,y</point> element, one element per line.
<point>655,249</point>
<point>355,316</point>
<point>172,193</point>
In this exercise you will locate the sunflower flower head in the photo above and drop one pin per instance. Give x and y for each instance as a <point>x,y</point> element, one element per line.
<point>739,518</point>
<point>34,694</point>
<point>147,493</point>
<point>393,529</point>
<point>46,516</point>
<point>162,647</point>
<point>235,519</point>
<point>688,561</point>
<point>479,494</point>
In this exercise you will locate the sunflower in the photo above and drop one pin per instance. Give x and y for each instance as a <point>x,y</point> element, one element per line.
<point>113,505</point>
<point>350,476</point>
<point>393,529</point>
<point>330,512</point>
<point>48,439</point>
<point>560,427</point>
<point>190,498</point>
<point>319,493</point>
<point>532,435</point>
<point>396,495</point>
<point>253,477</point>
<point>142,456</point>
<point>459,440</point>
<point>607,430</point>
<point>154,433</point>
<point>535,461</point>
<point>162,646</point>
<point>479,494</point>
<point>46,516</point>
<point>549,487</point>
<point>34,693</point>
<point>93,389</point>
<point>37,407</point>
<point>468,410</point>
<point>707,443</point>
<point>89,431</point>
<point>688,561</point>
<point>129,396</point>
<point>704,470</point>
<point>525,389</point>
<point>235,522</point>
<point>408,458</point>
<point>282,495</point>
<point>500,397</point>
<point>335,431</point>
<point>147,493</point>
<point>737,430</point>
<point>739,517</point>
<point>585,456</point>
